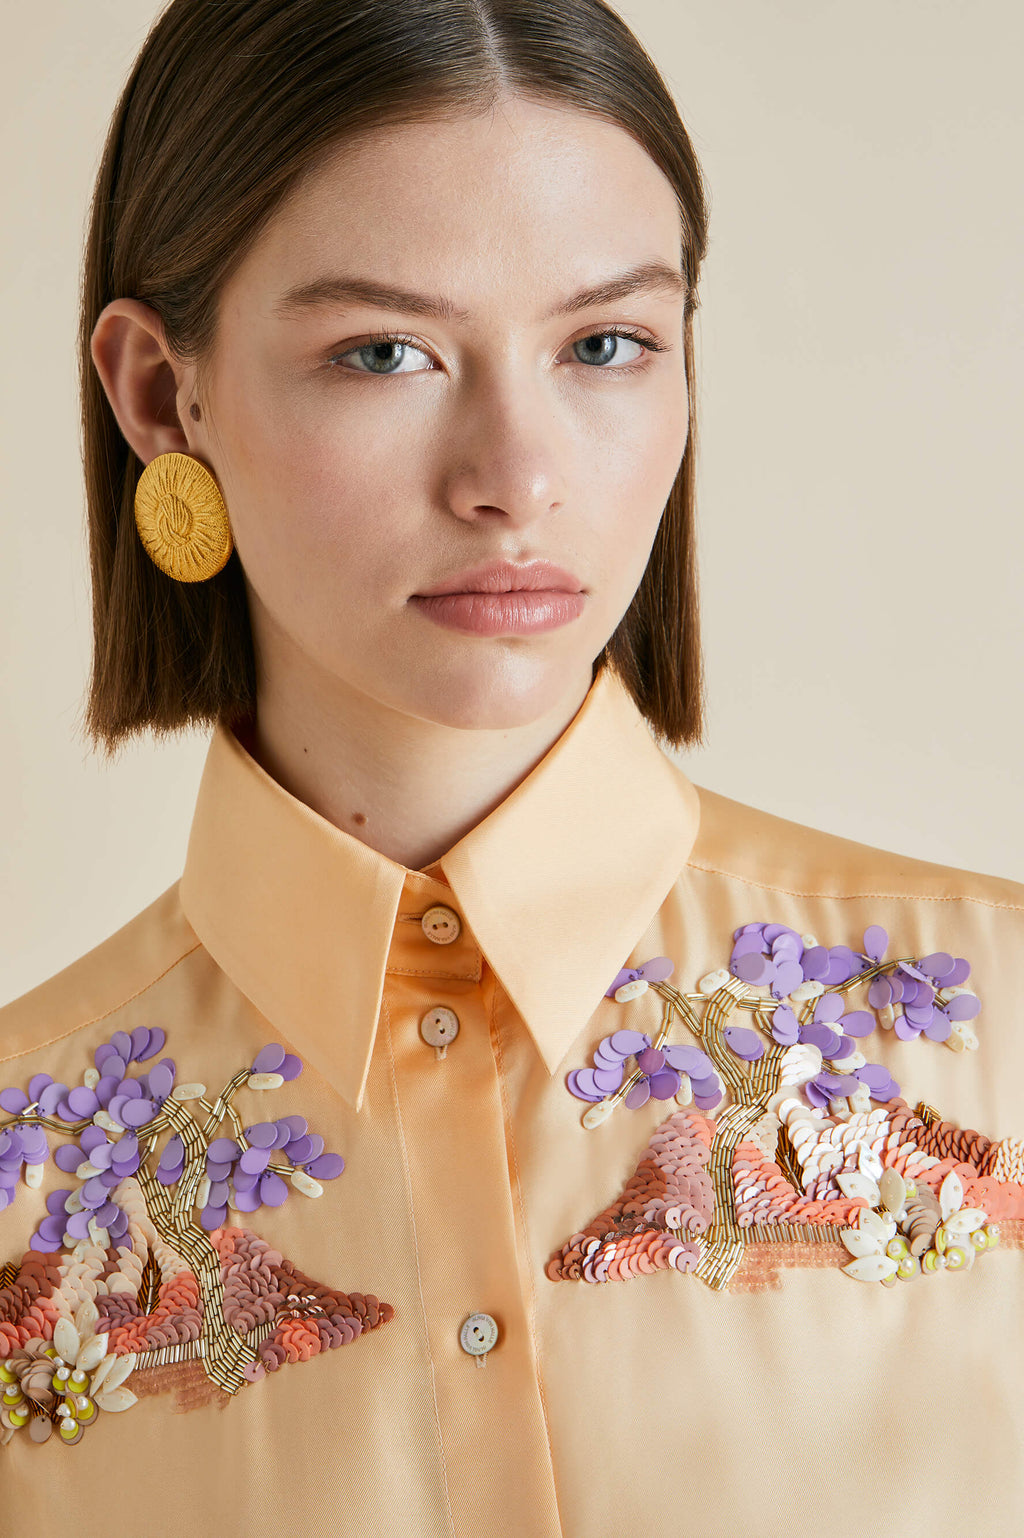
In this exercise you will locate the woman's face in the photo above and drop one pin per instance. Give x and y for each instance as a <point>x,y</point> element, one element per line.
<point>358,473</point>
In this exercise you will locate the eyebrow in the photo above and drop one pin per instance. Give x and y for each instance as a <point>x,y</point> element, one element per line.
<point>335,291</point>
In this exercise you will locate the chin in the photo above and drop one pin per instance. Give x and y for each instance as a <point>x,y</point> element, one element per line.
<point>499,692</point>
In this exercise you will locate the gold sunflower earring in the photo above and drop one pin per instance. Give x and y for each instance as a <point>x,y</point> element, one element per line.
<point>182,518</point>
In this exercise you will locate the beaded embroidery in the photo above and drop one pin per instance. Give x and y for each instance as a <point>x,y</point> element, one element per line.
<point>146,1293</point>
<point>797,1166</point>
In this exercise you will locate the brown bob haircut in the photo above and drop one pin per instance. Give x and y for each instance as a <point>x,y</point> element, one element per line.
<point>227,105</point>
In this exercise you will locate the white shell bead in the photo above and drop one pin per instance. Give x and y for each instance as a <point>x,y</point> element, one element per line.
<point>966,1220</point>
<point>631,990</point>
<point>120,1370</point>
<point>811,989</point>
<point>945,994</point>
<point>892,1188</point>
<point>306,1184</point>
<point>962,1038</point>
<point>115,1399</point>
<point>67,1342</point>
<point>714,980</point>
<point>684,1094</point>
<point>951,1195</point>
<point>92,1353</point>
<point>265,1081</point>
<point>859,1242</point>
<point>853,1184</point>
<point>86,1317</point>
<point>597,1113</point>
<point>884,1229</point>
<point>871,1268</point>
<point>188,1091</point>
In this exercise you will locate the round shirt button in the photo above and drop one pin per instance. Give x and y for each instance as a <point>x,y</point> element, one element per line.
<point>478,1334</point>
<point>442,925</point>
<point>439,1026</point>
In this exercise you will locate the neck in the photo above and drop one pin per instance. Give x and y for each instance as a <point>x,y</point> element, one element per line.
<point>404,786</point>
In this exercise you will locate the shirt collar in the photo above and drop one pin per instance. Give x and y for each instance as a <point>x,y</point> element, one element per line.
<point>556,886</point>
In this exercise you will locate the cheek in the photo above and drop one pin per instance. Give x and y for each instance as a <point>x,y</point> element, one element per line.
<point>642,464</point>
<point>641,470</point>
<point>313,498</point>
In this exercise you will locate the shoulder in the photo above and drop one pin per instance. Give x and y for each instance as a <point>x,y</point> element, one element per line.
<point>763,850</point>
<point>100,983</point>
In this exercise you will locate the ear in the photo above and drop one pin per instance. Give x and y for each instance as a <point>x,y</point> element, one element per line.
<point>143,381</point>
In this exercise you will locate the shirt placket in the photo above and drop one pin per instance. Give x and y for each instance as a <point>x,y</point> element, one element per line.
<point>476,1297</point>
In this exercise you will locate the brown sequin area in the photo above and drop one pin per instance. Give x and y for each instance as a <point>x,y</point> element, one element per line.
<point>96,1317</point>
<point>747,1217</point>
<point>148,1303</point>
<point>804,1164</point>
<point>669,1194</point>
<point>300,1317</point>
<point>26,1290</point>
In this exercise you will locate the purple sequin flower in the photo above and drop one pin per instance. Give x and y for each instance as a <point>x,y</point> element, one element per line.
<point>113,1160</point>
<point>111,1059</point>
<point>880,1082</point>
<point>661,1070</point>
<point>23,1143</point>
<point>826,1086</point>
<point>274,1059</point>
<point>785,1027</point>
<point>62,1220</point>
<point>915,986</point>
<point>654,971</point>
<point>774,955</point>
<point>826,1029</point>
<point>132,1104</point>
<point>241,1175</point>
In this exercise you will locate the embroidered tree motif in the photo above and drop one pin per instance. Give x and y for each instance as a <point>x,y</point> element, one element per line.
<point>145,1284</point>
<point>797,1155</point>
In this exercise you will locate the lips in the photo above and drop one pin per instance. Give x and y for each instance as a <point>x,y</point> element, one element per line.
<point>525,611</point>
<point>506,577</point>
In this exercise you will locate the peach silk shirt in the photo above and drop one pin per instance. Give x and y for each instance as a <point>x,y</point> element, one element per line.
<point>492,1321</point>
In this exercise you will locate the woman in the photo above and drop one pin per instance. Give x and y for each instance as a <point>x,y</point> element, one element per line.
<point>389,425</point>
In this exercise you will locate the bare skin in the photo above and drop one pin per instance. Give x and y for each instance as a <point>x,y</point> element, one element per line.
<point>356,478</point>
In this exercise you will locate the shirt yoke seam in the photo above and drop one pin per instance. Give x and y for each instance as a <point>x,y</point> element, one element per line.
<point>95,1019</point>
<point>767,886</point>
<point>416,1257</point>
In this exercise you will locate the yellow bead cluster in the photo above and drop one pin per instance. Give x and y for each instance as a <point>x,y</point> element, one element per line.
<point>938,1234</point>
<point>77,1409</point>
<point>12,1399</point>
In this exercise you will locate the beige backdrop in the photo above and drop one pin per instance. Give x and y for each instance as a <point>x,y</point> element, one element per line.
<point>860,364</point>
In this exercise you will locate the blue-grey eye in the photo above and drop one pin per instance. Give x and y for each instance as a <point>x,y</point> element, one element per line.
<point>603,346</point>
<point>386,352</point>
<point>380,356</point>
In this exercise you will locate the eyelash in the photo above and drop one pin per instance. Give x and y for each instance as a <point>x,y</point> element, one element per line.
<point>629,333</point>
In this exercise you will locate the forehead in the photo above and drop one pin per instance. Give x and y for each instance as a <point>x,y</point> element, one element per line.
<point>481,207</point>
